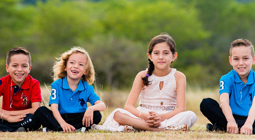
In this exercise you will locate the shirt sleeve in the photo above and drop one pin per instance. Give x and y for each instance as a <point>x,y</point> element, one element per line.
<point>92,98</point>
<point>224,85</point>
<point>36,93</point>
<point>1,86</point>
<point>54,97</point>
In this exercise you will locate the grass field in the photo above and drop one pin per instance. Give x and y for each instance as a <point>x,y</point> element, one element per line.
<point>116,99</point>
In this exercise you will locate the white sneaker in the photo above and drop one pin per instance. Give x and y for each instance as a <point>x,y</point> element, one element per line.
<point>83,129</point>
<point>45,129</point>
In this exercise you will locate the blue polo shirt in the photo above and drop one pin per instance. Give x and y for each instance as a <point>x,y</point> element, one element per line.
<point>69,101</point>
<point>240,94</point>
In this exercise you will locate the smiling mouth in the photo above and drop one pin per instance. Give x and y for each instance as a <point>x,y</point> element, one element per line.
<point>74,71</point>
<point>19,75</point>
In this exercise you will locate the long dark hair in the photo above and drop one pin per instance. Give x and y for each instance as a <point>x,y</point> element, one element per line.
<point>158,39</point>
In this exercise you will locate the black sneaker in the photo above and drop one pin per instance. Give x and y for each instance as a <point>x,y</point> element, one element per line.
<point>21,129</point>
<point>210,127</point>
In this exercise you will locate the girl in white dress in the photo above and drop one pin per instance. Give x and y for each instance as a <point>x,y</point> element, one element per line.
<point>161,90</point>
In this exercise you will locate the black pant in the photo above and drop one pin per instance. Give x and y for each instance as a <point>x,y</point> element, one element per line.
<point>212,111</point>
<point>29,123</point>
<point>45,116</point>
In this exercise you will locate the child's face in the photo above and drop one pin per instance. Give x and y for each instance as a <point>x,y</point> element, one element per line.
<point>76,66</point>
<point>19,68</point>
<point>242,60</point>
<point>162,56</point>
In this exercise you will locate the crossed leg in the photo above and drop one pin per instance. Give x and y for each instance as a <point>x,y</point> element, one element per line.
<point>137,123</point>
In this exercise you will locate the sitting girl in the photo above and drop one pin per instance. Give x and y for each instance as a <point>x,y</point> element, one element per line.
<point>161,90</point>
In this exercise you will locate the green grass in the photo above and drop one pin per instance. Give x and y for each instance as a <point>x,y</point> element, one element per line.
<point>116,99</point>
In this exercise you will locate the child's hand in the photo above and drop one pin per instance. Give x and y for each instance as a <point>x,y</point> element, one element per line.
<point>246,129</point>
<point>232,127</point>
<point>67,127</point>
<point>154,119</point>
<point>88,117</point>
<point>13,119</point>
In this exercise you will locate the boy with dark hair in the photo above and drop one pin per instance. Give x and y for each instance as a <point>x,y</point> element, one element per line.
<point>236,112</point>
<point>21,93</point>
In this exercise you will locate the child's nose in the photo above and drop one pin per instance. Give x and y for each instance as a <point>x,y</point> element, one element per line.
<point>19,68</point>
<point>241,62</point>
<point>161,55</point>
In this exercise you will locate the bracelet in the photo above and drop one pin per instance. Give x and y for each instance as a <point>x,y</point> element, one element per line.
<point>2,117</point>
<point>140,114</point>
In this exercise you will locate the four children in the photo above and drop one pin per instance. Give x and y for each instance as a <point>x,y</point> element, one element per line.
<point>71,90</point>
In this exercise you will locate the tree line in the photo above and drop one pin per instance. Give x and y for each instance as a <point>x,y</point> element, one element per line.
<point>116,34</point>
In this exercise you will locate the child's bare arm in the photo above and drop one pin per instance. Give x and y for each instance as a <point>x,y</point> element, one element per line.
<point>31,110</point>
<point>99,105</point>
<point>88,115</point>
<point>11,119</point>
<point>65,126</point>
<point>224,103</point>
<point>133,96</point>
<point>247,127</point>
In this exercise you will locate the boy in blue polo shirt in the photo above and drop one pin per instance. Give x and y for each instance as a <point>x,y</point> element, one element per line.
<point>70,92</point>
<point>236,112</point>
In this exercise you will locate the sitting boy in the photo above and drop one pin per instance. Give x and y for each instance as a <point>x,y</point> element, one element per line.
<point>236,112</point>
<point>21,93</point>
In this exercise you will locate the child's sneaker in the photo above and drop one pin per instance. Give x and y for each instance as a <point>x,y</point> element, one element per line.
<point>45,129</point>
<point>83,129</point>
<point>210,127</point>
<point>21,129</point>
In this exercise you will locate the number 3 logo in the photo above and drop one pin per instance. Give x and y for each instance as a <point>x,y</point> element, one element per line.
<point>53,96</point>
<point>221,84</point>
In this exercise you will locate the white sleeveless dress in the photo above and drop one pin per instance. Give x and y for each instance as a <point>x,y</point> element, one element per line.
<point>152,98</point>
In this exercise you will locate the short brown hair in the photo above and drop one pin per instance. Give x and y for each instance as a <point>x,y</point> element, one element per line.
<point>17,50</point>
<point>241,42</point>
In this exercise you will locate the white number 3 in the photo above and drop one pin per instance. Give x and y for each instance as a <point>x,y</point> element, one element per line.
<point>53,96</point>
<point>221,84</point>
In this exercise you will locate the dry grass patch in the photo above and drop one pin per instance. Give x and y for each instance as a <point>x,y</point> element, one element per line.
<point>117,99</point>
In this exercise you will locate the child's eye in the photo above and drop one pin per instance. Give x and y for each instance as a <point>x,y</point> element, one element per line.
<point>14,65</point>
<point>71,62</point>
<point>235,58</point>
<point>156,53</point>
<point>166,53</point>
<point>81,64</point>
<point>24,66</point>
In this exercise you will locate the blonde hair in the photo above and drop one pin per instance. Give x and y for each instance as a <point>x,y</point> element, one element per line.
<point>60,65</point>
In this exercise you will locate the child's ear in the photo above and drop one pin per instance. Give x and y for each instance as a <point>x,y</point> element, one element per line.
<point>29,68</point>
<point>175,56</point>
<point>230,60</point>
<point>253,60</point>
<point>7,68</point>
<point>149,56</point>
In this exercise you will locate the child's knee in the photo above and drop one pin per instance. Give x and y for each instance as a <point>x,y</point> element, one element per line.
<point>205,102</point>
<point>40,111</point>
<point>117,116</point>
<point>97,117</point>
